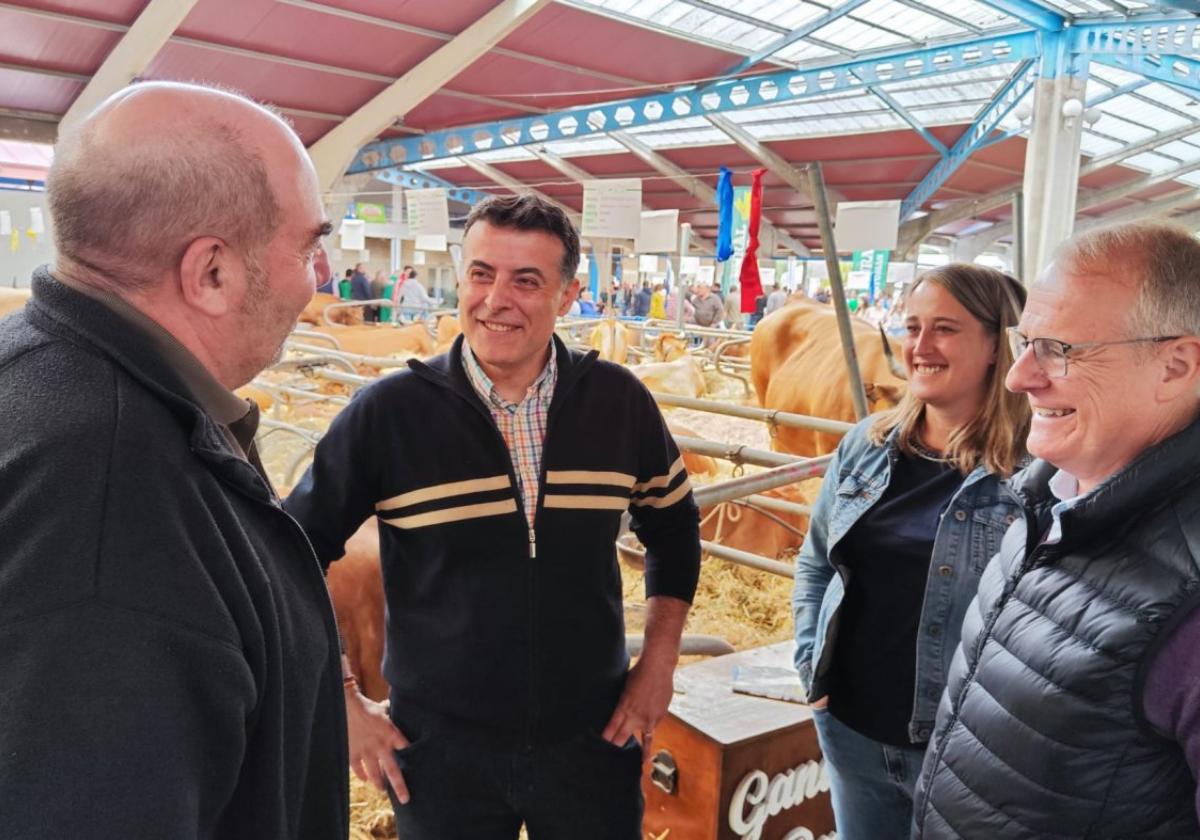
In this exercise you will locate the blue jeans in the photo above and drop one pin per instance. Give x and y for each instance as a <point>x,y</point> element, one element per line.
<point>466,787</point>
<point>871,783</point>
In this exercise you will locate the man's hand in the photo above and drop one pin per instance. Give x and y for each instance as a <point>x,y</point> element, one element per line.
<point>649,685</point>
<point>643,703</point>
<point>373,741</point>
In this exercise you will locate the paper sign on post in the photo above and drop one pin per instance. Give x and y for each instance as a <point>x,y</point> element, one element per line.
<point>867,225</point>
<point>705,274</point>
<point>659,232</point>
<point>585,264</point>
<point>5,223</point>
<point>766,276</point>
<point>690,265</point>
<point>647,263</point>
<point>37,223</point>
<point>428,213</point>
<point>612,208</point>
<point>418,258</point>
<point>431,242</point>
<point>353,234</point>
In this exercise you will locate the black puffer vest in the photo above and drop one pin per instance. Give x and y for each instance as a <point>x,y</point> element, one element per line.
<point>1040,733</point>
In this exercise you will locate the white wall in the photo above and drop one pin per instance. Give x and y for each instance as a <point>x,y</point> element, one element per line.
<point>17,268</point>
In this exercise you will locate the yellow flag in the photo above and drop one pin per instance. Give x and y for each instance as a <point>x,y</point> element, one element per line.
<point>32,234</point>
<point>15,241</point>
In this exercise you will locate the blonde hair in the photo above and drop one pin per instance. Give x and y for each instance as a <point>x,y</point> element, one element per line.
<point>995,436</point>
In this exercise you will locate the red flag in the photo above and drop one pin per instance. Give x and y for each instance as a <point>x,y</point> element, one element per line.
<point>748,279</point>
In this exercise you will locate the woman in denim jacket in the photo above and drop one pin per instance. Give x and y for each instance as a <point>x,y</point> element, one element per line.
<point>908,515</point>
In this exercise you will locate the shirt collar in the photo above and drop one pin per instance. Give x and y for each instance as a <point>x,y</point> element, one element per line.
<point>542,387</point>
<point>1064,486</point>
<point>217,401</point>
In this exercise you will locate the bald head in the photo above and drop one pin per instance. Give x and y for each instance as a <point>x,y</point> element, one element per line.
<point>159,165</point>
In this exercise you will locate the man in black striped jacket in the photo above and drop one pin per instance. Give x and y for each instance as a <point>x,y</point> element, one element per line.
<point>499,473</point>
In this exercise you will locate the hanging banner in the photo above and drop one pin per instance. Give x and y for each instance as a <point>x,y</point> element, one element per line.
<point>647,264</point>
<point>5,223</point>
<point>612,208</point>
<point>659,232</point>
<point>865,225</point>
<point>431,242</point>
<point>370,212</point>
<point>353,235</point>
<point>428,213</point>
<point>751,287</point>
<point>724,215</point>
<point>872,264</point>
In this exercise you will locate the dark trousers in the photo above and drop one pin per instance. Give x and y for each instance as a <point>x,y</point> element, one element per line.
<point>464,786</point>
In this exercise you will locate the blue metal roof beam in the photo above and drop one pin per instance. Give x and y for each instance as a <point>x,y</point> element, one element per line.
<point>902,112</point>
<point>1136,36</point>
<point>1019,84</point>
<point>1027,11</point>
<point>417,180</point>
<point>1174,70</point>
<point>723,97</point>
<point>795,35</point>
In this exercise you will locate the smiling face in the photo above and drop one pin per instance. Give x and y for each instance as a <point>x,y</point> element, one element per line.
<point>1104,412</point>
<point>949,353</point>
<point>509,298</point>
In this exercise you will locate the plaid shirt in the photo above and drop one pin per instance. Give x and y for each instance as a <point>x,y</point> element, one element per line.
<point>522,425</point>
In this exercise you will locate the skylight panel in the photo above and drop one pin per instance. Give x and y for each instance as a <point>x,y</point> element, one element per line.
<point>853,35</point>
<point>1150,162</point>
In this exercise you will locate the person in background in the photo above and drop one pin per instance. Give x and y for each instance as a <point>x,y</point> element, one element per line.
<point>760,308</point>
<point>411,299</point>
<point>689,311</point>
<point>708,307</point>
<point>1073,704</point>
<point>775,300</point>
<point>360,289</point>
<point>641,301</point>
<point>169,649</point>
<point>587,308</point>
<point>733,308</point>
<point>378,283</point>
<point>909,513</point>
<point>658,307</point>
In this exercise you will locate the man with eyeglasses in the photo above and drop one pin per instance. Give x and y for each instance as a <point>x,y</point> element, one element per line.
<point>1073,705</point>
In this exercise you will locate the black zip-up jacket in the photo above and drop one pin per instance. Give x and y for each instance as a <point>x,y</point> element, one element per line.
<point>170,659</point>
<point>521,642</point>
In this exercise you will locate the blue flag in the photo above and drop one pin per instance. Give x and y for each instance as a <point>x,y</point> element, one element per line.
<point>724,215</point>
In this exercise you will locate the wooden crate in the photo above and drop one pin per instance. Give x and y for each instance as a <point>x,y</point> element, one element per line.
<point>747,768</point>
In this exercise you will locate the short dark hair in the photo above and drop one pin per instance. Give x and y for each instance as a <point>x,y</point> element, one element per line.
<point>530,212</point>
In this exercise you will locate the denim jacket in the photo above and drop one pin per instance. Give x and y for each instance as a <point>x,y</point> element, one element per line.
<point>968,536</point>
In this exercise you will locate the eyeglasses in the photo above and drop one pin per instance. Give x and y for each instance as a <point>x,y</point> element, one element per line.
<point>1052,355</point>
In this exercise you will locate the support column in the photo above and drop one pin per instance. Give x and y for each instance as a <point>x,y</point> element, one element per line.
<point>1052,157</point>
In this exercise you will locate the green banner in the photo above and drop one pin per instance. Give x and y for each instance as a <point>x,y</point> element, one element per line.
<point>369,212</point>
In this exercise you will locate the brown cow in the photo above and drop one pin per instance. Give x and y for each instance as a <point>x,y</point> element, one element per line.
<point>314,313</point>
<point>796,365</point>
<point>448,329</point>
<point>749,529</point>
<point>12,299</point>
<point>356,588</point>
<point>367,340</point>
<point>683,377</point>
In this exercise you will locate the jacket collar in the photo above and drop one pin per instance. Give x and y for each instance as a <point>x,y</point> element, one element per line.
<point>447,369</point>
<point>68,314</point>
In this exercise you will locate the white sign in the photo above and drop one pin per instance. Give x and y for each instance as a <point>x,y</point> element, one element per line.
<point>899,274</point>
<point>766,276</point>
<point>612,208</point>
<point>585,264</point>
<point>37,224</point>
<point>867,225</point>
<point>690,265</point>
<point>757,798</point>
<point>428,213</point>
<point>705,274</point>
<point>5,223</point>
<point>353,235</point>
<point>364,255</point>
<point>431,242</point>
<point>659,232</point>
<point>418,258</point>
<point>647,264</point>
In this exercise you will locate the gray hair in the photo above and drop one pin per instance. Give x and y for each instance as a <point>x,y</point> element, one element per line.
<point>126,212</point>
<point>1165,260</point>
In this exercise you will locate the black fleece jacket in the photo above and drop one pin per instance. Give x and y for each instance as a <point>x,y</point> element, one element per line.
<point>515,635</point>
<point>169,656</point>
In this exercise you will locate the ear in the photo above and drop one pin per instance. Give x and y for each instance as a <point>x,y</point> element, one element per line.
<point>568,296</point>
<point>1181,368</point>
<point>211,276</point>
<point>881,392</point>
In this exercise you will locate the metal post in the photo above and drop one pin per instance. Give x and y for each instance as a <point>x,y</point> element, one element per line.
<point>816,182</point>
<point>685,241</point>
<point>1018,253</point>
